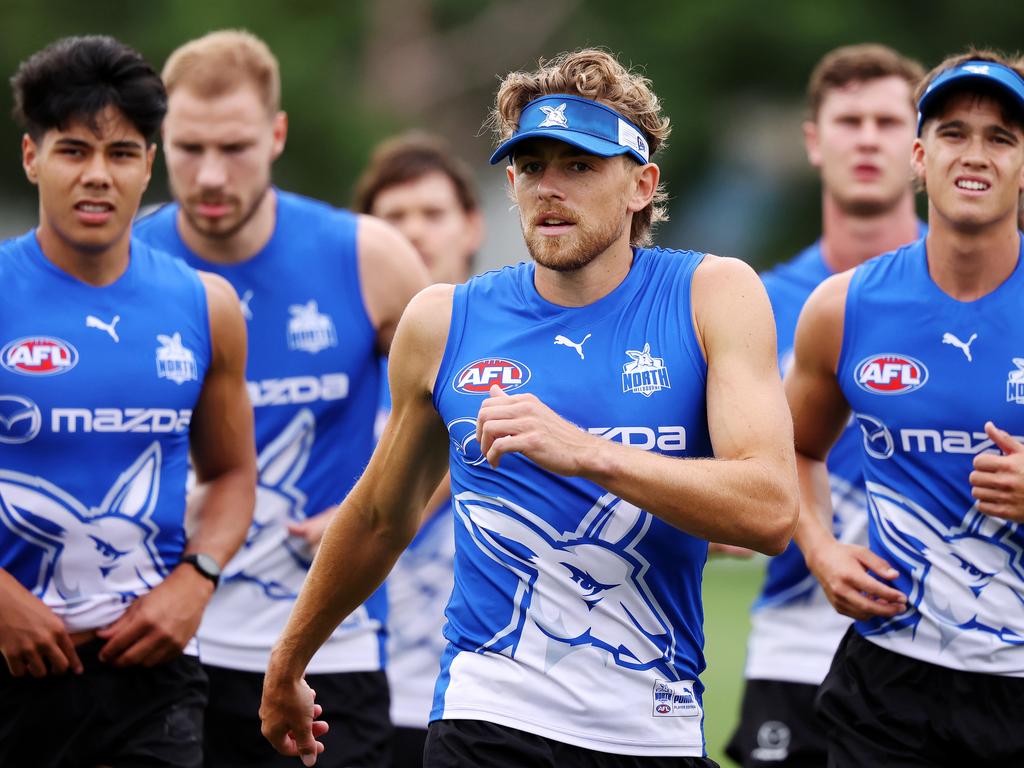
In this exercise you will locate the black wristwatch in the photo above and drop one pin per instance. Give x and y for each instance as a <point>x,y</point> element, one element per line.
<point>205,564</point>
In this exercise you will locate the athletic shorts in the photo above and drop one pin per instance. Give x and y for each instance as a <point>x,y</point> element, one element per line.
<point>886,709</point>
<point>125,717</point>
<point>778,727</point>
<point>480,744</point>
<point>407,747</point>
<point>355,706</point>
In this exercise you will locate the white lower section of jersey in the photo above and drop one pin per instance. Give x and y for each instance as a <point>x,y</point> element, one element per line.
<point>965,608</point>
<point>419,587</point>
<point>611,709</point>
<point>795,641</point>
<point>240,626</point>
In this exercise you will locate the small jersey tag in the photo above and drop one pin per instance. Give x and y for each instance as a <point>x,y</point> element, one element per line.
<point>675,699</point>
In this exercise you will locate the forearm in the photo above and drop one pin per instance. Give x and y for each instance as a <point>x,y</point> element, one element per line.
<point>814,525</point>
<point>220,513</point>
<point>749,502</point>
<point>356,554</point>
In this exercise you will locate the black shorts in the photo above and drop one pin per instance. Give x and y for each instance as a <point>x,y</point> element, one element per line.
<point>480,744</point>
<point>355,706</point>
<point>778,727</point>
<point>407,747</point>
<point>126,717</point>
<point>884,708</point>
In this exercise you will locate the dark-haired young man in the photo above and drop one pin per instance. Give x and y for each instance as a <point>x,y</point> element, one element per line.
<point>858,134</point>
<point>924,346</point>
<point>414,182</point>
<point>562,394</point>
<point>322,290</point>
<point>116,361</point>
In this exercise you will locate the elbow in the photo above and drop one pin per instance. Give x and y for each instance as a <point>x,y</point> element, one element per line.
<point>780,516</point>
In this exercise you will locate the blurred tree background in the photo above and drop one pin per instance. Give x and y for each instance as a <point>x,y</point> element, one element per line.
<point>731,75</point>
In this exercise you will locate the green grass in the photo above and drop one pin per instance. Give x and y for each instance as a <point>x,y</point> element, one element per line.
<point>730,586</point>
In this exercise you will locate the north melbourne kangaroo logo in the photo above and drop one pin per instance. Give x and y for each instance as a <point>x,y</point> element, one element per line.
<point>968,578</point>
<point>567,342</point>
<point>270,558</point>
<point>581,589</point>
<point>92,321</point>
<point>554,117</point>
<point>963,346</point>
<point>88,552</point>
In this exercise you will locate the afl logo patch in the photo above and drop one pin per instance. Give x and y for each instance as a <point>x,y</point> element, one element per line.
<point>890,374</point>
<point>39,356</point>
<point>478,377</point>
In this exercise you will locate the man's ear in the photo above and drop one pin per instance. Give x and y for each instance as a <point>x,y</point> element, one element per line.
<point>30,158</point>
<point>646,179</point>
<point>280,133</point>
<point>812,143</point>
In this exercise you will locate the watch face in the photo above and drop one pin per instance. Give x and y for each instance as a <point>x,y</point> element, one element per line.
<point>207,565</point>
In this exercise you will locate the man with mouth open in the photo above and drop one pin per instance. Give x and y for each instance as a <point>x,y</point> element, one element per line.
<point>860,128</point>
<point>924,347</point>
<point>116,363</point>
<point>322,290</point>
<point>575,626</point>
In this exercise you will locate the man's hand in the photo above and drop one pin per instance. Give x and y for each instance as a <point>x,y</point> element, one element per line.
<point>33,640</point>
<point>523,424</point>
<point>311,530</point>
<point>157,626</point>
<point>843,570</point>
<point>997,482</point>
<point>289,713</point>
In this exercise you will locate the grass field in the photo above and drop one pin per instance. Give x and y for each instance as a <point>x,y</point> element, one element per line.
<point>730,586</point>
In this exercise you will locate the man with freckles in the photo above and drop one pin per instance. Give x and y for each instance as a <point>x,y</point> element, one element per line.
<point>923,346</point>
<point>567,391</point>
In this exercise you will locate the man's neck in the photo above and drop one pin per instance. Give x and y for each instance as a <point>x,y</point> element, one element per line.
<point>99,268</point>
<point>969,264</point>
<point>584,286</point>
<point>848,240</point>
<point>240,246</point>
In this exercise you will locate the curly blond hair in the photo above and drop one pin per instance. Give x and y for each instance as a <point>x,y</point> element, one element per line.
<point>597,75</point>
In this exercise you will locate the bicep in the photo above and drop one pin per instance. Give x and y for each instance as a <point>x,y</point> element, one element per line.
<point>390,274</point>
<point>820,410</point>
<point>222,423</point>
<point>747,413</point>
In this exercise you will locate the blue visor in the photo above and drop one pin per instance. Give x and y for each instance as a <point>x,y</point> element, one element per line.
<point>593,127</point>
<point>968,73</point>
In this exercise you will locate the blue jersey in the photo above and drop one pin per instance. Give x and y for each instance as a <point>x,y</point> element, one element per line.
<point>97,388</point>
<point>923,372</point>
<point>313,379</point>
<point>575,615</point>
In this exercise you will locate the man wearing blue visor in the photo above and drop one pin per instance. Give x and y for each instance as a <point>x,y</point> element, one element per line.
<point>564,394</point>
<point>924,346</point>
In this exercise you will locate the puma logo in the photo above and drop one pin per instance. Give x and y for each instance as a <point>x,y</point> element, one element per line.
<point>243,302</point>
<point>965,347</point>
<point>566,342</point>
<point>94,322</point>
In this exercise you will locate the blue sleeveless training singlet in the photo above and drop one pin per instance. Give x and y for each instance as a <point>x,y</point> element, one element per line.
<point>923,372</point>
<point>313,379</point>
<point>575,615</point>
<point>97,388</point>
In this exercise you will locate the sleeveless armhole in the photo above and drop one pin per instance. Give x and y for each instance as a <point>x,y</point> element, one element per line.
<point>456,328</point>
<point>690,343</point>
<point>850,315</point>
<point>350,270</point>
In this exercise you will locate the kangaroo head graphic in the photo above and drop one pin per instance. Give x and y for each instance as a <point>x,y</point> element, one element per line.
<point>968,577</point>
<point>105,549</point>
<point>584,588</point>
<point>278,502</point>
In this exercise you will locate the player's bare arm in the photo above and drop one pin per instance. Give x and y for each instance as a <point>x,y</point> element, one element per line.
<point>372,526</point>
<point>157,626</point>
<point>390,272</point>
<point>746,495</point>
<point>848,573</point>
